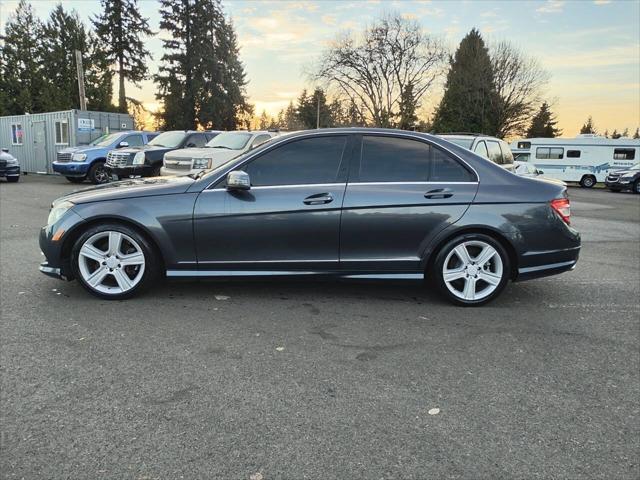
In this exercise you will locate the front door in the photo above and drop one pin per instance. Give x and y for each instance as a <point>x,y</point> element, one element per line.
<point>401,193</point>
<point>40,147</point>
<point>288,222</point>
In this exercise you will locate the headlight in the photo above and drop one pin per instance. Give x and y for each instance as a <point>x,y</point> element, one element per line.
<point>201,163</point>
<point>79,157</point>
<point>627,175</point>
<point>139,158</point>
<point>58,211</point>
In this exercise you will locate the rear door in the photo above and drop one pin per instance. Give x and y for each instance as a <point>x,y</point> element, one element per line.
<point>402,191</point>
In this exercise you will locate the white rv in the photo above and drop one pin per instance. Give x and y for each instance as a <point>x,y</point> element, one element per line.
<point>586,159</point>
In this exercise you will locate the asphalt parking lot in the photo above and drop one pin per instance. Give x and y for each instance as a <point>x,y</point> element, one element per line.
<point>322,380</point>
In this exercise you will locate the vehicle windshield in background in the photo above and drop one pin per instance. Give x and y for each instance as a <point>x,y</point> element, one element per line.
<point>105,140</point>
<point>168,139</point>
<point>462,142</point>
<point>230,140</point>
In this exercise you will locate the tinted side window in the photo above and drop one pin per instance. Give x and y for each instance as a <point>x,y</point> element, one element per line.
<point>495,155</point>
<point>133,140</point>
<point>386,159</point>
<point>481,149</point>
<point>197,140</point>
<point>301,162</point>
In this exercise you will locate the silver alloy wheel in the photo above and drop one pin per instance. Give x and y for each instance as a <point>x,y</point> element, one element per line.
<point>111,262</point>
<point>101,175</point>
<point>472,270</point>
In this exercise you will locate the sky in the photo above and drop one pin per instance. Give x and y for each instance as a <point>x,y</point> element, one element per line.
<point>591,48</point>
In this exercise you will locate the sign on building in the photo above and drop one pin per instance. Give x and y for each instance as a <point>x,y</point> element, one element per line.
<point>86,124</point>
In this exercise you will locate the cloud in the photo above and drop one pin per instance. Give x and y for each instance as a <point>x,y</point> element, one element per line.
<point>551,6</point>
<point>329,19</point>
<point>605,57</point>
<point>601,2</point>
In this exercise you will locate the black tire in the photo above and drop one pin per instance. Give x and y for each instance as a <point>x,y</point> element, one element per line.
<point>437,276</point>
<point>76,179</point>
<point>155,171</point>
<point>616,190</point>
<point>588,181</point>
<point>152,267</point>
<point>636,187</point>
<point>98,173</point>
<point>13,179</point>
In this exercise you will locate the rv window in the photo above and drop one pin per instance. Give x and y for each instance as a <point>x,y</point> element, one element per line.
<point>524,145</point>
<point>624,153</point>
<point>17,134</point>
<point>573,153</point>
<point>546,153</point>
<point>62,133</point>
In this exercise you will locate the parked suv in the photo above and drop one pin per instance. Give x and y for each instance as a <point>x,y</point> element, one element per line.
<point>146,161</point>
<point>9,166</point>
<point>492,148</point>
<point>221,149</point>
<point>87,161</point>
<point>627,179</point>
<point>348,203</point>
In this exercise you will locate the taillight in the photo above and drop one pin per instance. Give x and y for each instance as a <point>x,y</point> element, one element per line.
<point>562,206</point>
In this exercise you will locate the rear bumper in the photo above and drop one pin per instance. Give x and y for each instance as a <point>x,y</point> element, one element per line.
<point>552,262</point>
<point>71,169</point>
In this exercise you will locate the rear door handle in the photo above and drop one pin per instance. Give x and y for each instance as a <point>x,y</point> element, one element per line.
<point>318,199</point>
<point>439,193</point>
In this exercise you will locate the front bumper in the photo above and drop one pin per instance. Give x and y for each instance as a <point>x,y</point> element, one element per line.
<point>12,171</point>
<point>619,184</point>
<point>51,271</point>
<point>165,172</point>
<point>130,170</point>
<point>71,169</point>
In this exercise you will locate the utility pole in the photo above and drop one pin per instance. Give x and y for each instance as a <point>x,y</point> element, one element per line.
<point>83,98</point>
<point>318,115</point>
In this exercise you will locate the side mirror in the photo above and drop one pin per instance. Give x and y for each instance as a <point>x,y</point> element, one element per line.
<point>540,172</point>
<point>238,180</point>
<point>123,144</point>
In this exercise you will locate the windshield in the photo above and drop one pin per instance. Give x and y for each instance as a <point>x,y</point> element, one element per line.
<point>230,140</point>
<point>105,140</point>
<point>168,139</point>
<point>462,142</point>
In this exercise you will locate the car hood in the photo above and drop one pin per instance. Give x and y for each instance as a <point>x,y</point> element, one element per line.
<point>145,148</point>
<point>625,172</point>
<point>214,153</point>
<point>139,187</point>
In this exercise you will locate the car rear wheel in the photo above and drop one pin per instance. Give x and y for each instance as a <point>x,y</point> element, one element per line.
<point>76,179</point>
<point>588,181</point>
<point>98,174</point>
<point>114,262</point>
<point>471,269</point>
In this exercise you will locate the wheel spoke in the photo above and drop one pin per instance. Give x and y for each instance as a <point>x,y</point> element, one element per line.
<point>485,255</point>
<point>463,253</point>
<point>490,278</point>
<point>454,274</point>
<point>469,292</point>
<point>92,252</point>
<point>124,282</point>
<point>136,258</point>
<point>115,239</point>
<point>97,276</point>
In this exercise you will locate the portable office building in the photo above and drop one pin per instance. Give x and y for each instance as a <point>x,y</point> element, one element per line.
<point>34,139</point>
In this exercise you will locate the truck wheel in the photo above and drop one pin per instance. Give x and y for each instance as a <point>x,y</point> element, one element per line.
<point>98,173</point>
<point>155,171</point>
<point>588,181</point>
<point>76,179</point>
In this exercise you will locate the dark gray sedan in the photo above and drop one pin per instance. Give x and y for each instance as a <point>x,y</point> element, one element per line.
<point>350,203</point>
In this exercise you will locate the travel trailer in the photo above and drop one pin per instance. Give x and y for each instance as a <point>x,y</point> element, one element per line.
<point>586,159</point>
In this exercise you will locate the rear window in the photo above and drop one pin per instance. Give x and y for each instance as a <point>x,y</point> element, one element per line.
<point>461,142</point>
<point>524,145</point>
<point>386,159</point>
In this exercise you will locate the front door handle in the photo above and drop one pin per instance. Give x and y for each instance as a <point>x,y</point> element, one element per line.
<point>439,193</point>
<point>318,199</point>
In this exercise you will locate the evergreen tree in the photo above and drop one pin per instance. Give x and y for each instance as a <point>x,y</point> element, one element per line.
<point>637,134</point>
<point>291,119</point>
<point>606,133</point>
<point>120,27</point>
<point>543,124</point>
<point>21,76</point>
<point>625,133</point>
<point>264,121</point>
<point>470,102</point>
<point>408,106</point>
<point>62,35</point>
<point>588,127</point>
<point>615,135</point>
<point>308,110</point>
<point>202,80</point>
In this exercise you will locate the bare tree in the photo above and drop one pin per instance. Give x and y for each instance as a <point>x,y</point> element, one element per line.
<point>377,70</point>
<point>519,80</point>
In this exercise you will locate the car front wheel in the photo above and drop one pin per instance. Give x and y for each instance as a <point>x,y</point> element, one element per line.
<point>114,261</point>
<point>98,174</point>
<point>471,269</point>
